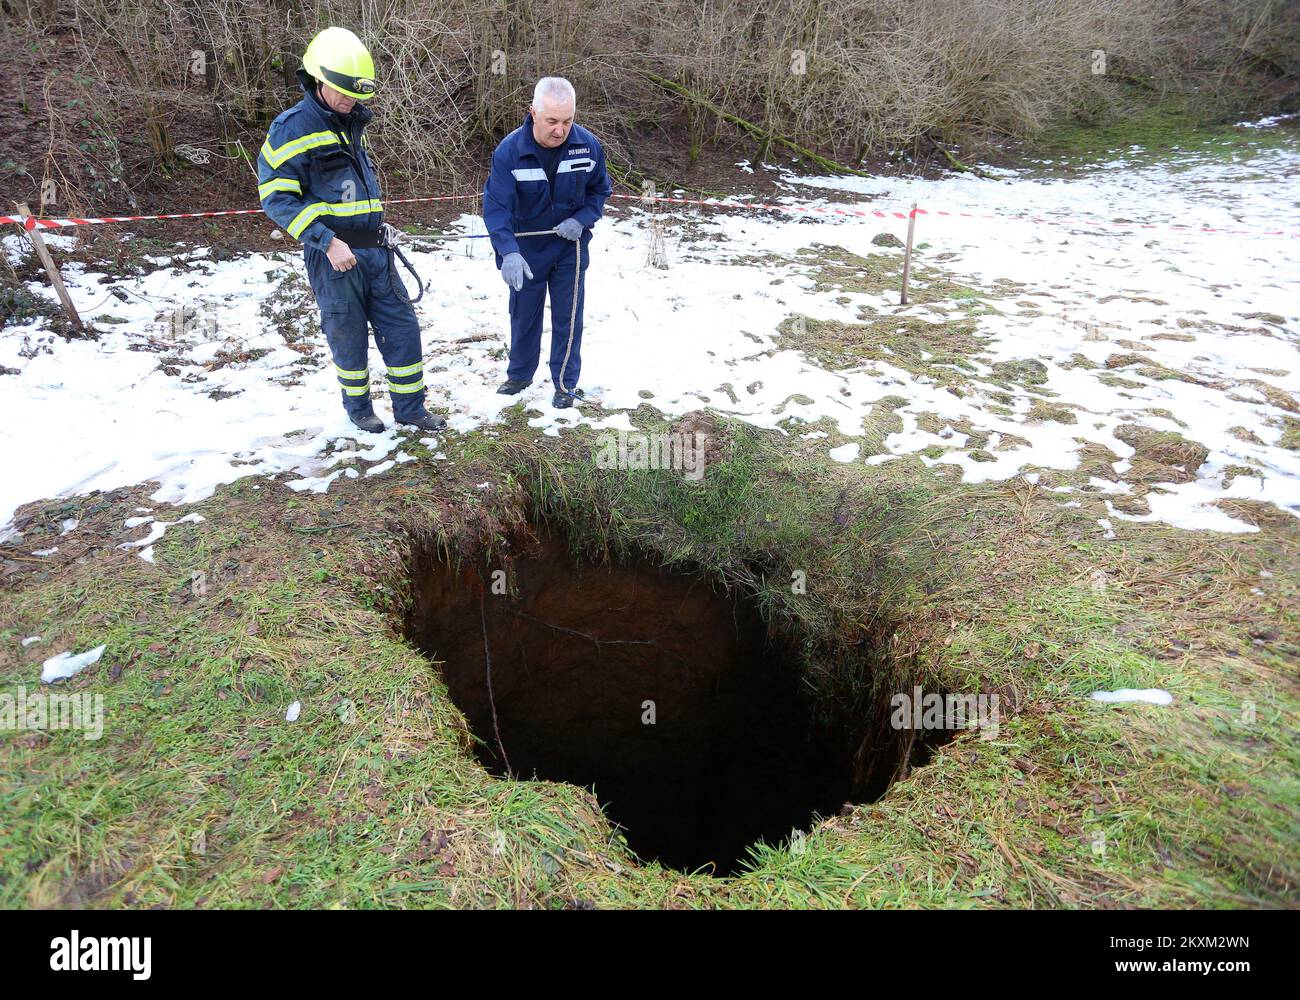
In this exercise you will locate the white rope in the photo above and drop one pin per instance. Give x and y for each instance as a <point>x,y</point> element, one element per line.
<point>573,315</point>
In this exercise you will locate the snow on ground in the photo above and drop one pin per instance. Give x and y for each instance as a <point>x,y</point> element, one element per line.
<point>156,530</point>
<point>218,394</point>
<point>1152,696</point>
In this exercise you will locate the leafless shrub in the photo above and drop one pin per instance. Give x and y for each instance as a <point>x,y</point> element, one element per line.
<point>839,76</point>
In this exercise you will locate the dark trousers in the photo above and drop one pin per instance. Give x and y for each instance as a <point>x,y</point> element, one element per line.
<point>370,295</point>
<point>554,263</point>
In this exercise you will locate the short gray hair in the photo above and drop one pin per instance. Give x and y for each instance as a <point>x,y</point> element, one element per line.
<point>554,86</point>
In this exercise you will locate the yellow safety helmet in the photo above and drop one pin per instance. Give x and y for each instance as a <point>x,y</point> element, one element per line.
<point>336,56</point>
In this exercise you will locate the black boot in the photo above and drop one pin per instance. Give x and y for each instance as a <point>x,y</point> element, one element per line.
<point>367,422</point>
<point>426,421</point>
<point>563,400</point>
<point>510,387</point>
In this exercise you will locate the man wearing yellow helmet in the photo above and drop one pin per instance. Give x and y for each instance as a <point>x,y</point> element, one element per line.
<point>317,182</point>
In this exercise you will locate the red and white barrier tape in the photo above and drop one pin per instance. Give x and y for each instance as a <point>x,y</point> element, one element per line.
<point>31,222</point>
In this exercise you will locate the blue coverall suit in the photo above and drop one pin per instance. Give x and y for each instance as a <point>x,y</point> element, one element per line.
<point>518,198</point>
<point>316,177</point>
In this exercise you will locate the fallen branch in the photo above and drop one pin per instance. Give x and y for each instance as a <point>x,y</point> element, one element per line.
<point>955,163</point>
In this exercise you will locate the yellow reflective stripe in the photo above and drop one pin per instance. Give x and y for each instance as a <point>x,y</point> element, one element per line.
<point>407,369</point>
<point>312,212</point>
<point>356,390</point>
<point>412,387</point>
<point>278,155</point>
<point>304,219</point>
<point>278,184</point>
<point>344,373</point>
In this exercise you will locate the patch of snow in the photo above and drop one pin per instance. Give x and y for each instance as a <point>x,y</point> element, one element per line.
<point>158,529</point>
<point>318,484</point>
<point>1268,122</point>
<point>1153,696</point>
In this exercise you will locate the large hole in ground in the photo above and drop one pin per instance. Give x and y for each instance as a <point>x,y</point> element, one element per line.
<point>693,723</point>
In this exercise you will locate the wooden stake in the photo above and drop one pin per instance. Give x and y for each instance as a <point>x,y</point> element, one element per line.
<point>56,279</point>
<point>907,258</point>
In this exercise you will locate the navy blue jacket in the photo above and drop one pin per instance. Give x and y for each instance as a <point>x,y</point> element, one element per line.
<point>517,197</point>
<point>314,172</point>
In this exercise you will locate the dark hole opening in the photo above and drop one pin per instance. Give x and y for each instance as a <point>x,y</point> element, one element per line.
<point>696,729</point>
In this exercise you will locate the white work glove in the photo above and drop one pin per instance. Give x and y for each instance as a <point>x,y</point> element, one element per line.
<point>570,229</point>
<point>513,269</point>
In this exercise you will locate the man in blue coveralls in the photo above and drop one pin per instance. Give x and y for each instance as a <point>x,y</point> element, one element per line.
<point>317,182</point>
<point>548,174</point>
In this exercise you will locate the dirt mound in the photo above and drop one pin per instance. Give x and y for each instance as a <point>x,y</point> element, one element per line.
<point>712,435</point>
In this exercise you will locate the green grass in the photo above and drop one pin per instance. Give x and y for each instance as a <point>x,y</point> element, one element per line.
<point>1174,132</point>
